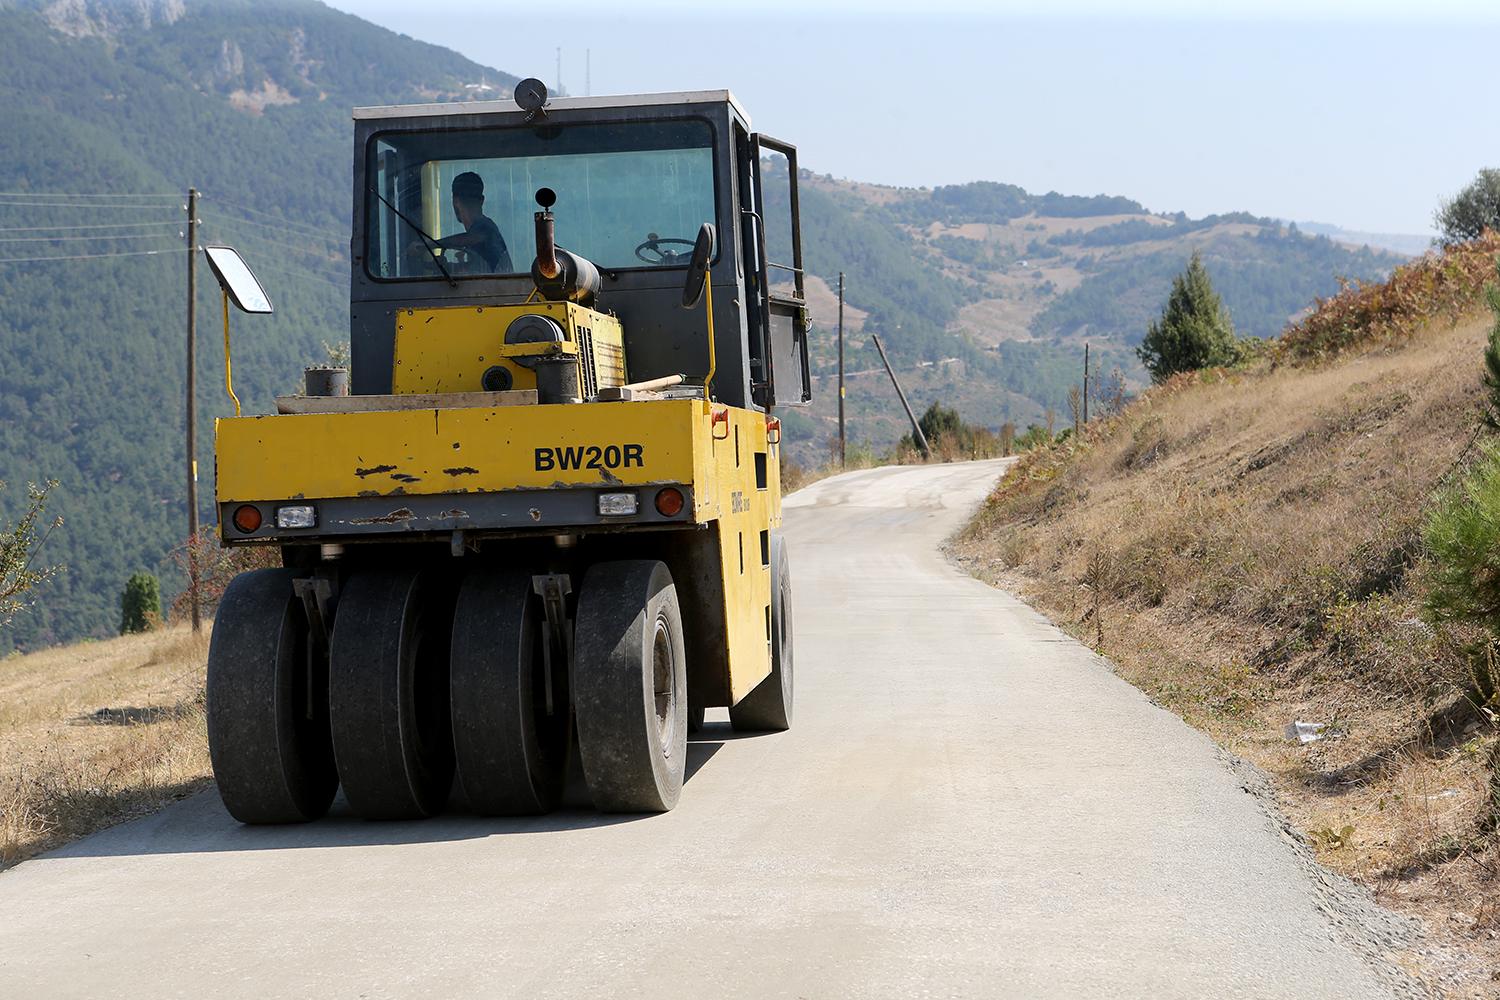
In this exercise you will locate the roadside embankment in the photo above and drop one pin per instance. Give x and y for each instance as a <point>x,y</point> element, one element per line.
<point>1246,547</point>
<point>97,733</point>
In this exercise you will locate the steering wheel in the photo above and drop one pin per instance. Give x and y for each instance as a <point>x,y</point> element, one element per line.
<point>652,253</point>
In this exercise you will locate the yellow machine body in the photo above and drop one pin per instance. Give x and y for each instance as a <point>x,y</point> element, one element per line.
<point>540,459</point>
<point>450,348</point>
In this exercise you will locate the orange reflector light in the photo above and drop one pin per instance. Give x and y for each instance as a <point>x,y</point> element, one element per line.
<point>669,502</point>
<point>247,518</point>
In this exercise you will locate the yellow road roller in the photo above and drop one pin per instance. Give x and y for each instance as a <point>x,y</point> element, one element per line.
<point>531,526</point>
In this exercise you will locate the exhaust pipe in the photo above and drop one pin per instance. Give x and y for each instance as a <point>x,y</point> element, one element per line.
<point>560,276</point>
<point>546,239</point>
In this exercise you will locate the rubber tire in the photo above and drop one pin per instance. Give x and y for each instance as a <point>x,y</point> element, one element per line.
<point>769,706</point>
<point>628,623</point>
<point>512,757</point>
<point>273,764</point>
<point>388,695</point>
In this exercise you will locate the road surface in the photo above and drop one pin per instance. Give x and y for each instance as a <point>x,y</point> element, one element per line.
<point>969,805</point>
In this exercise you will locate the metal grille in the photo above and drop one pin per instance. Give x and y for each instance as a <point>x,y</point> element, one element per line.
<point>590,374</point>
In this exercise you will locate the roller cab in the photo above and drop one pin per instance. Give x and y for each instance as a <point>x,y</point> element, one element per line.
<point>539,532</point>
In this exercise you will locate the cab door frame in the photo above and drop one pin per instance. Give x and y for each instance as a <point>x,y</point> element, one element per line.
<point>780,321</point>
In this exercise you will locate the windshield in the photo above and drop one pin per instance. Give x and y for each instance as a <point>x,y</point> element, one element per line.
<point>628,195</point>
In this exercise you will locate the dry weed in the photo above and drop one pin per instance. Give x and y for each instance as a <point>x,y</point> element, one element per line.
<point>98,733</point>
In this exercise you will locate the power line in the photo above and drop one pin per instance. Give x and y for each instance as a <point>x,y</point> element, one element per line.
<point>66,194</point>
<point>92,256</point>
<point>255,211</point>
<point>279,229</point>
<point>66,204</point>
<point>260,265</point>
<point>58,229</point>
<point>68,239</point>
<point>285,246</point>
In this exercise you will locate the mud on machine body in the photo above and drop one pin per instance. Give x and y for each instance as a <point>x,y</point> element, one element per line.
<point>541,524</point>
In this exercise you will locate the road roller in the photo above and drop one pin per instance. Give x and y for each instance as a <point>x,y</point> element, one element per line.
<point>530,532</point>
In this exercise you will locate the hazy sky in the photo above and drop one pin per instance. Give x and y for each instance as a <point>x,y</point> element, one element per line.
<point>1360,114</point>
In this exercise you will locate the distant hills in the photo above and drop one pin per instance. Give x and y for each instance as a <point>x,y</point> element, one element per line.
<point>984,293</point>
<point>988,293</point>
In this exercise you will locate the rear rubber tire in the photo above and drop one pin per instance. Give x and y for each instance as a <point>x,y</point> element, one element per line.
<point>272,762</point>
<point>512,756</point>
<point>388,695</point>
<point>769,705</point>
<point>630,686</point>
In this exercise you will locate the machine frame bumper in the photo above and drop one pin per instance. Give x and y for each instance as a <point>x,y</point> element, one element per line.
<point>514,469</point>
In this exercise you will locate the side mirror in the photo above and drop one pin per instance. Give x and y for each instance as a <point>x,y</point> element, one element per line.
<point>697,274</point>
<point>239,285</point>
<point>237,280</point>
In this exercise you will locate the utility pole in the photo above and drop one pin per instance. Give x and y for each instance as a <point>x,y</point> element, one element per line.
<point>559,71</point>
<point>843,459</point>
<point>1085,382</point>
<point>588,75</point>
<point>916,428</point>
<point>192,403</point>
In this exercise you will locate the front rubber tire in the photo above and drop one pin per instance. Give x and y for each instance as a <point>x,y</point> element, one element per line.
<point>769,706</point>
<point>630,686</point>
<point>512,756</point>
<point>268,732</point>
<point>388,695</point>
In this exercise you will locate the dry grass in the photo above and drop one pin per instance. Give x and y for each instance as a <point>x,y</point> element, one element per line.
<point>97,733</point>
<point>1246,548</point>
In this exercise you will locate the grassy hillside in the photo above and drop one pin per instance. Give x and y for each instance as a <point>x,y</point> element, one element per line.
<point>98,733</point>
<point>1247,547</point>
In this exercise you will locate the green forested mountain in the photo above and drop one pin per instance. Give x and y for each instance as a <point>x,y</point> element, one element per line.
<point>108,113</point>
<point>109,110</point>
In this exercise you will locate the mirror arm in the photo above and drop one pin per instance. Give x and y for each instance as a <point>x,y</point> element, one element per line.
<point>228,377</point>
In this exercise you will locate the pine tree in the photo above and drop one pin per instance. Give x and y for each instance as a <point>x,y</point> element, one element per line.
<point>1194,332</point>
<point>140,604</point>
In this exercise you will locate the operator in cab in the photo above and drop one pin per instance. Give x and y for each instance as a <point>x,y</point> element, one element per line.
<point>481,238</point>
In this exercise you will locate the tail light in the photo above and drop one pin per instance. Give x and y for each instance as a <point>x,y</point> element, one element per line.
<point>247,518</point>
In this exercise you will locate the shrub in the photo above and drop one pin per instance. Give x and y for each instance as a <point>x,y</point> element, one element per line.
<point>140,604</point>
<point>1469,213</point>
<point>1438,284</point>
<point>217,565</point>
<point>1194,332</point>
<point>950,439</point>
<point>18,547</point>
<point>1462,539</point>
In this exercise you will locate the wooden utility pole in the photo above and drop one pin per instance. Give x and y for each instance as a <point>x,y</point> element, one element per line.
<point>1085,382</point>
<point>843,459</point>
<point>916,428</point>
<point>192,404</point>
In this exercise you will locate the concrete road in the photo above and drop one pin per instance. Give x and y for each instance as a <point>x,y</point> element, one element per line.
<point>969,805</point>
